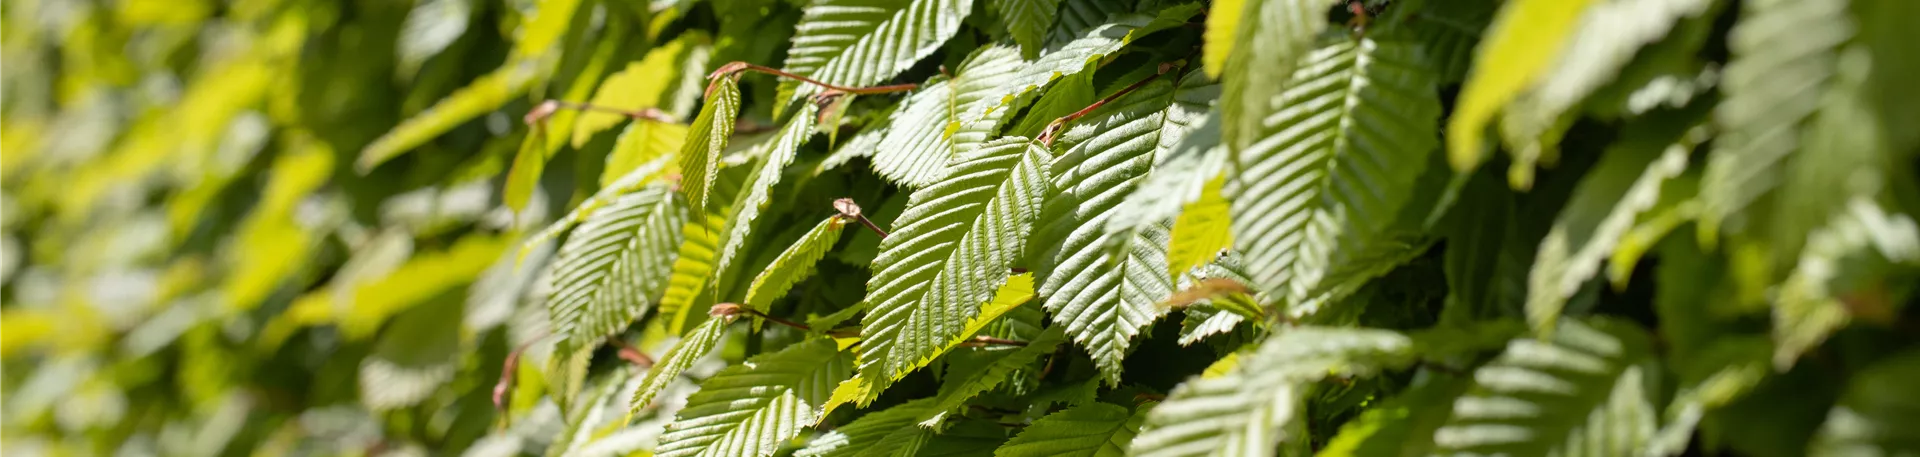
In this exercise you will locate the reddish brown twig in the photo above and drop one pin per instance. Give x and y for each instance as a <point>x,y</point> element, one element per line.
<point>734,68</point>
<point>983,340</point>
<point>545,109</point>
<point>1053,129</point>
<point>630,354</point>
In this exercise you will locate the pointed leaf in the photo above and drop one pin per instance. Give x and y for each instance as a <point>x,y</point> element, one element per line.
<point>1334,165</point>
<point>700,155</point>
<point>609,271</point>
<point>752,409</point>
<point>1585,390</point>
<point>948,252</point>
<point>864,42</point>
<point>691,348</point>
<point>1093,430</point>
<point>793,264</point>
<point>1526,38</point>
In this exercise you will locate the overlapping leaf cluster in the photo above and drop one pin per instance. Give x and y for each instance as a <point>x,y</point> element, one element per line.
<point>949,227</point>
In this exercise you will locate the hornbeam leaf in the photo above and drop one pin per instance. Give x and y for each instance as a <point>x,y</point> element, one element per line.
<point>1104,285</point>
<point>753,408</point>
<point>928,132</point>
<point>794,264</point>
<point>610,270</point>
<point>948,252</point>
<point>869,434</point>
<point>695,345</point>
<point>1091,430</point>
<point>758,190</point>
<point>1027,21</point>
<point>1255,405</point>
<point>1525,39</point>
<point>700,155</point>
<point>1582,391</point>
<point>1256,69</point>
<point>864,42</point>
<point>1335,163</point>
<point>1609,198</point>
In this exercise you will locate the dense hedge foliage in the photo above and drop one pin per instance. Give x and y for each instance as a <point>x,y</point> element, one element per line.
<point>959,227</point>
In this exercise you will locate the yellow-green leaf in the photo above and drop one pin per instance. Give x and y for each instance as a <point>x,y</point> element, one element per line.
<point>1521,46</point>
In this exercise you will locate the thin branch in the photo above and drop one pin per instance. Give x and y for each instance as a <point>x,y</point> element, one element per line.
<point>849,209</point>
<point>983,340</point>
<point>630,354</point>
<point>546,109</point>
<point>1053,128</point>
<point>736,67</point>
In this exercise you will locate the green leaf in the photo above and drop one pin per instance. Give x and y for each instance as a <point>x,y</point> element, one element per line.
<point>417,355</point>
<point>948,252</point>
<point>1073,57</point>
<point>1250,409</point>
<point>1333,170</point>
<point>864,42</point>
<point>758,190</point>
<point>1223,29</point>
<point>693,268</point>
<point>1027,21</point>
<point>753,408</point>
<point>1520,48</point>
<point>958,388</point>
<point>655,81</point>
<point>1604,206</point>
<point>1771,89</point>
<point>700,155</point>
<point>1178,178</point>
<point>642,141</point>
<point>1279,44</point>
<point>1105,286</point>
<point>1607,37</point>
<point>1587,389</point>
<point>1844,273</point>
<point>609,270</point>
<point>891,431</point>
<point>1203,230</point>
<point>1092,430</point>
<point>1876,413</point>
<point>793,264</point>
<point>482,96</point>
<point>691,348</point>
<point>543,31</point>
<point>928,132</point>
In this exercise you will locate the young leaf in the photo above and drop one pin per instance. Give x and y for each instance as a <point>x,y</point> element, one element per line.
<point>700,155</point>
<point>1856,254</point>
<point>1525,40</point>
<point>695,345</point>
<point>1332,170</point>
<point>1584,389</point>
<point>1203,230</point>
<point>948,253</point>
<point>758,190</point>
<point>793,264</point>
<point>753,408</point>
<point>609,270</point>
<point>1092,430</point>
<point>1276,41</point>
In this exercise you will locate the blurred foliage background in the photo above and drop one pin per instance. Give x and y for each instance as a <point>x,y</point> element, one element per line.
<point>324,227</point>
